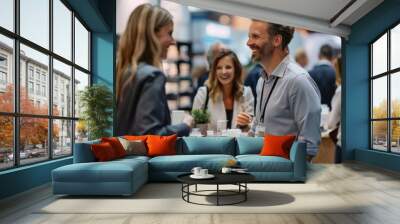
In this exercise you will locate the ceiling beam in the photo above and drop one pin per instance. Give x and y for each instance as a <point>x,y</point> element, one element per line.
<point>271,15</point>
<point>89,11</point>
<point>346,12</point>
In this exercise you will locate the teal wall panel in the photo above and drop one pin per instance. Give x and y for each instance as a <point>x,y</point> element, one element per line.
<point>356,96</point>
<point>103,59</point>
<point>24,178</point>
<point>379,159</point>
<point>356,90</point>
<point>103,49</point>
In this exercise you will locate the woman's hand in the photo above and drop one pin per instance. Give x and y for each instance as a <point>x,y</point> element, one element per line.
<point>243,119</point>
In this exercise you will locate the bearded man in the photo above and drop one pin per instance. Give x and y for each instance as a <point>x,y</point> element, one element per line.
<point>288,100</point>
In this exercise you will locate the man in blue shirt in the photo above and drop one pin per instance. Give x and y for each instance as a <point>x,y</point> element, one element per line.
<point>324,75</point>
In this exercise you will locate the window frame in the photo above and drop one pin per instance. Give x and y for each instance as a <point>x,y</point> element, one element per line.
<point>388,74</point>
<point>16,115</point>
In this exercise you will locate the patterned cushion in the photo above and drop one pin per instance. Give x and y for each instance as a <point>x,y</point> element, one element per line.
<point>134,147</point>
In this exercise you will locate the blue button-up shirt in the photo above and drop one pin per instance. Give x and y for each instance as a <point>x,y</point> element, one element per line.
<point>294,107</point>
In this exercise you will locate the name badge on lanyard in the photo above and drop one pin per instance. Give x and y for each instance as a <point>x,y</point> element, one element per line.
<point>260,130</point>
<point>266,102</point>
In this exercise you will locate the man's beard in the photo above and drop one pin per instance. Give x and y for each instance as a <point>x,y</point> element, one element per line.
<point>267,51</point>
<point>263,52</point>
<point>255,57</point>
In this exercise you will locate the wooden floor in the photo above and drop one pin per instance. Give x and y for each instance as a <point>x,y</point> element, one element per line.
<point>377,188</point>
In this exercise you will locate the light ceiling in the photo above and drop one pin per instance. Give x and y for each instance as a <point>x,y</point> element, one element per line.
<point>326,16</point>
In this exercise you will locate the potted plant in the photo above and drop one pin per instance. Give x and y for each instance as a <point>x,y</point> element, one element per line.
<point>201,118</point>
<point>96,103</point>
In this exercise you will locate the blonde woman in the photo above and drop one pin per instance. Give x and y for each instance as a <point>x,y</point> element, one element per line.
<point>140,83</point>
<point>228,98</point>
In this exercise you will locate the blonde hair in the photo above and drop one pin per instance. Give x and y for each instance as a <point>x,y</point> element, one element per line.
<point>215,88</point>
<point>139,43</point>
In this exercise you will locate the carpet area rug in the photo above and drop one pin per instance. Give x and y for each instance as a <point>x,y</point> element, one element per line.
<point>167,198</point>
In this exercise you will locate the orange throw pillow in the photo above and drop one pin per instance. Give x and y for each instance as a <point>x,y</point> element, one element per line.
<point>103,151</point>
<point>277,145</point>
<point>116,145</point>
<point>134,137</point>
<point>161,145</point>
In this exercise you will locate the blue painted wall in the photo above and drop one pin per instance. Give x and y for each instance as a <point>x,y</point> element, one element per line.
<point>103,58</point>
<point>356,85</point>
<point>99,16</point>
<point>24,178</point>
<point>380,159</point>
<point>103,48</point>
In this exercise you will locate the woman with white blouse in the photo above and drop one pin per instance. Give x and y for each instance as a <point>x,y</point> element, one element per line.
<point>224,95</point>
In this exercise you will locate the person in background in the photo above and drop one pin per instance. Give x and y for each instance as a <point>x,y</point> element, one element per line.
<point>333,123</point>
<point>224,95</point>
<point>211,53</point>
<point>301,58</point>
<point>323,74</point>
<point>252,80</point>
<point>140,83</point>
<point>288,100</point>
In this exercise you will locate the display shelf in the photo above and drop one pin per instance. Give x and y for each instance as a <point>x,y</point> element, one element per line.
<point>179,85</point>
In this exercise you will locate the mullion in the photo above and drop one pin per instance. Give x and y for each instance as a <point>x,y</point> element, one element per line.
<point>41,49</point>
<point>50,87</point>
<point>16,83</point>
<point>36,116</point>
<point>389,71</point>
<point>84,70</point>
<point>389,106</point>
<point>73,81</point>
<point>50,53</point>
<point>371,94</point>
<point>385,119</point>
<point>76,15</point>
<point>8,33</point>
<point>89,55</point>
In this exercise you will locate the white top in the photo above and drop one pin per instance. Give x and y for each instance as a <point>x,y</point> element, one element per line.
<point>335,114</point>
<point>217,109</point>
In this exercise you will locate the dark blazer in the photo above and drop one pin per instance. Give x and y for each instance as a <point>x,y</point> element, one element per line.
<point>144,108</point>
<point>325,77</point>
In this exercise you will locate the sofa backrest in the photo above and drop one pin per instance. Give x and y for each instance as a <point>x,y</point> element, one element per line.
<point>249,145</point>
<point>190,146</point>
<point>83,152</point>
<point>206,145</point>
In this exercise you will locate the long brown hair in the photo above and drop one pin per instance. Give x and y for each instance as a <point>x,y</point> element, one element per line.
<point>213,84</point>
<point>139,43</point>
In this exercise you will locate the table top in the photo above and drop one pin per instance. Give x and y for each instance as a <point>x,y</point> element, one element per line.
<point>220,178</point>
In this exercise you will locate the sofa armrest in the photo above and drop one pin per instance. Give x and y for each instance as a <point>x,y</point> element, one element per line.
<point>298,157</point>
<point>83,152</point>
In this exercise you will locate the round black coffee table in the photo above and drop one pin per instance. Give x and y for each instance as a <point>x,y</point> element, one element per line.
<point>238,179</point>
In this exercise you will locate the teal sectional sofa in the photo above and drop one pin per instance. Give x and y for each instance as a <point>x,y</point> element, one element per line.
<point>125,176</point>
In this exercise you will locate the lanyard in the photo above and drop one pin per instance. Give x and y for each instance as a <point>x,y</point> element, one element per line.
<point>266,102</point>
